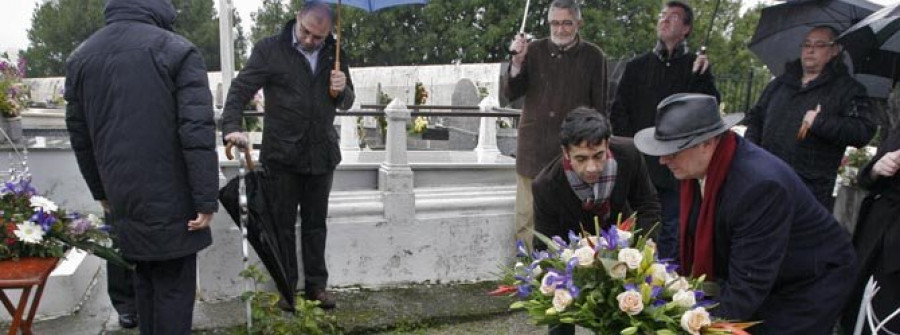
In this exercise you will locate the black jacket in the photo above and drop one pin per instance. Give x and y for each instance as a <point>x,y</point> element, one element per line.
<point>140,118</point>
<point>780,257</point>
<point>647,80</point>
<point>298,134</point>
<point>845,119</point>
<point>557,208</point>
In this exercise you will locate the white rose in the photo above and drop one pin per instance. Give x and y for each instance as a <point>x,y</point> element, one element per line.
<point>658,273</point>
<point>519,266</point>
<point>624,237</point>
<point>547,286</point>
<point>536,271</point>
<point>41,202</point>
<point>618,270</point>
<point>678,284</point>
<point>585,256</point>
<point>631,257</point>
<point>685,299</point>
<point>589,241</point>
<point>630,302</point>
<point>561,299</point>
<point>694,320</point>
<point>566,255</point>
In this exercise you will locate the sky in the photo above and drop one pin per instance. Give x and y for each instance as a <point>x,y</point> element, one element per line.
<point>15,19</point>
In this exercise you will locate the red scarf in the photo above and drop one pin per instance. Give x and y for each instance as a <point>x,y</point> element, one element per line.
<point>697,253</point>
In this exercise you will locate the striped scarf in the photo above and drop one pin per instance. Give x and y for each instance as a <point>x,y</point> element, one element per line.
<point>594,197</point>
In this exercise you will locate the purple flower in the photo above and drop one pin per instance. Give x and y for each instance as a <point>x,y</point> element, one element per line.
<point>559,242</point>
<point>520,247</point>
<point>523,290</point>
<point>21,188</point>
<point>540,255</point>
<point>44,219</point>
<point>79,226</point>
<point>573,238</point>
<point>22,66</point>
<point>611,236</point>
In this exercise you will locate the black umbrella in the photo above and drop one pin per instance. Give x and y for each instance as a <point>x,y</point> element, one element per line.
<point>257,224</point>
<point>782,27</point>
<point>874,48</point>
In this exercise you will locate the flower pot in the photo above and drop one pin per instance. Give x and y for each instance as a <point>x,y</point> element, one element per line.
<point>12,127</point>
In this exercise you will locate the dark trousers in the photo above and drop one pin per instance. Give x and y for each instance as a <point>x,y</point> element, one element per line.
<point>165,295</point>
<point>668,228</point>
<point>286,190</point>
<point>119,281</point>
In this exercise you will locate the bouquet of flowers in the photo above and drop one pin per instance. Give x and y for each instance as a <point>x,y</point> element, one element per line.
<point>34,226</point>
<point>854,159</point>
<point>611,284</point>
<point>13,93</point>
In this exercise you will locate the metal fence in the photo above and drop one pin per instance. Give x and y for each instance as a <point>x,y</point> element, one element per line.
<point>740,91</point>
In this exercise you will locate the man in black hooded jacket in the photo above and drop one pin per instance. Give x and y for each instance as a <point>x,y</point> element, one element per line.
<point>300,146</point>
<point>811,113</point>
<point>140,119</point>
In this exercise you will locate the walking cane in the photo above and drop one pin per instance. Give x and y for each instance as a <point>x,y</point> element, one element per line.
<point>242,202</point>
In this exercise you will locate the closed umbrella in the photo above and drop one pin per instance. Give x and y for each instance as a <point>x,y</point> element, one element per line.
<point>244,198</point>
<point>368,6</point>
<point>874,48</point>
<point>782,27</point>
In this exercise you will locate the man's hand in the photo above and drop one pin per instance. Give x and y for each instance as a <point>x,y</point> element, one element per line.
<point>886,166</point>
<point>201,222</point>
<point>811,115</point>
<point>519,48</point>
<point>237,138</point>
<point>338,81</point>
<point>701,64</point>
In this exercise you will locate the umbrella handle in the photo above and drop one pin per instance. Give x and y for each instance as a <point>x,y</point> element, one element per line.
<point>337,50</point>
<point>247,156</point>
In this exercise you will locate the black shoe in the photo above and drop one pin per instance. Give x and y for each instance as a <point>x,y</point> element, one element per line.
<point>325,299</point>
<point>285,306</point>
<point>128,321</point>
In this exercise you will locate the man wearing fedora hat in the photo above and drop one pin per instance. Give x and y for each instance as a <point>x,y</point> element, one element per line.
<point>749,223</point>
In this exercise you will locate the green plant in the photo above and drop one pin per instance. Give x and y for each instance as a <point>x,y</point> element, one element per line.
<point>268,318</point>
<point>380,120</point>
<point>13,93</point>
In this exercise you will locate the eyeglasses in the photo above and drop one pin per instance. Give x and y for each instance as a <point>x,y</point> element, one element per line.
<point>564,23</point>
<point>674,17</point>
<point>816,45</point>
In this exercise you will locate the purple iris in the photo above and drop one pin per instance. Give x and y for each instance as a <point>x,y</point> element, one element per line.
<point>573,238</point>
<point>540,255</point>
<point>611,236</point>
<point>20,188</point>
<point>79,226</point>
<point>520,247</point>
<point>523,290</point>
<point>43,219</point>
<point>559,242</point>
<point>22,67</point>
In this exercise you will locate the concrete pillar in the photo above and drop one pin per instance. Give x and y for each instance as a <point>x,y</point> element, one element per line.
<point>395,177</point>
<point>349,135</point>
<point>487,132</point>
<point>226,44</point>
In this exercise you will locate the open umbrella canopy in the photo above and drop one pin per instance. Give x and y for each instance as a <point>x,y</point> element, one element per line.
<point>375,5</point>
<point>874,48</point>
<point>782,27</point>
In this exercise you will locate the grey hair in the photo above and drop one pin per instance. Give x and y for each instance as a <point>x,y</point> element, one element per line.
<point>574,7</point>
<point>320,9</point>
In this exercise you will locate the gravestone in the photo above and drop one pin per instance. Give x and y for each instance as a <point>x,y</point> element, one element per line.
<point>463,130</point>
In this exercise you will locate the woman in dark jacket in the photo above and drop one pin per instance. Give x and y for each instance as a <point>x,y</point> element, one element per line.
<point>877,234</point>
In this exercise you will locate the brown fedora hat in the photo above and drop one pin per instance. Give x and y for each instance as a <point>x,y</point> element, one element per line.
<point>682,121</point>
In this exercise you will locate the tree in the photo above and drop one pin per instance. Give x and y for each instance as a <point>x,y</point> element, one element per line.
<point>59,26</point>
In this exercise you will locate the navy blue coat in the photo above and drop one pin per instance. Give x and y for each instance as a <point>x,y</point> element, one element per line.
<point>780,257</point>
<point>140,119</point>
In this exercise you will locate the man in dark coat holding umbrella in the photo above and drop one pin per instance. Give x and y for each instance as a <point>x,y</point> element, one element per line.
<point>597,177</point>
<point>749,224</point>
<point>810,114</point>
<point>300,146</point>
<point>140,118</point>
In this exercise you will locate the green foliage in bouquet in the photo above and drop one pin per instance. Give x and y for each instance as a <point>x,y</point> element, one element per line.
<point>611,283</point>
<point>34,226</point>
<point>268,318</point>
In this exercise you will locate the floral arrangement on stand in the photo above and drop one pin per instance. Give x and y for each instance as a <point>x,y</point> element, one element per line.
<point>854,160</point>
<point>14,95</point>
<point>34,226</point>
<point>420,123</point>
<point>613,283</point>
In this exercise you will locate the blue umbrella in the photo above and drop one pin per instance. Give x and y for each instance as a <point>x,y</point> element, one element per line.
<point>368,6</point>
